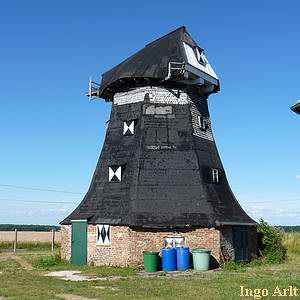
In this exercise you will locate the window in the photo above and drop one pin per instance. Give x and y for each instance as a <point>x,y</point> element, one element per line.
<point>103,234</point>
<point>215,176</point>
<point>199,54</point>
<point>202,59</point>
<point>128,127</point>
<point>115,173</point>
<point>202,122</point>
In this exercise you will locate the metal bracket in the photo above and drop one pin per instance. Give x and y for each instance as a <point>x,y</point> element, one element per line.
<point>175,69</point>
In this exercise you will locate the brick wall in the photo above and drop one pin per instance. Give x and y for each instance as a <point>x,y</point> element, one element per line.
<point>127,244</point>
<point>142,240</point>
<point>115,254</point>
<point>66,242</point>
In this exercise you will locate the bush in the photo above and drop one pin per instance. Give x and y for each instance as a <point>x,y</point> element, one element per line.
<point>271,243</point>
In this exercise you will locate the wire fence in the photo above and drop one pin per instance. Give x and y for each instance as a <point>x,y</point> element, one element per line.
<point>13,241</point>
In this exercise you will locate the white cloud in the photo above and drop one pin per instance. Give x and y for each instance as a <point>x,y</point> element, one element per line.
<point>38,215</point>
<point>275,215</point>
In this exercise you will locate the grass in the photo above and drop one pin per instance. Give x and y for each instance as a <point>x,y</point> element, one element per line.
<point>54,263</point>
<point>292,242</point>
<point>32,246</point>
<point>213,285</point>
<point>18,283</point>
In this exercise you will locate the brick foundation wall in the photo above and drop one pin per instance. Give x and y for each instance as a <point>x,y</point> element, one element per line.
<point>127,244</point>
<point>142,240</point>
<point>115,254</point>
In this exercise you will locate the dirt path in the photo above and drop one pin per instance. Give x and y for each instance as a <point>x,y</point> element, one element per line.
<point>73,297</point>
<point>23,263</point>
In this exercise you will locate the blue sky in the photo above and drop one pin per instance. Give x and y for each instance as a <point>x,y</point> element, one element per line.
<point>51,135</point>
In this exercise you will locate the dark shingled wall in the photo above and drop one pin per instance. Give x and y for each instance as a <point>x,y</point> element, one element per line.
<point>167,172</point>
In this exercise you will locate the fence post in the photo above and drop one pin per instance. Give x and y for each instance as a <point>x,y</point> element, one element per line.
<point>16,240</point>
<point>53,240</point>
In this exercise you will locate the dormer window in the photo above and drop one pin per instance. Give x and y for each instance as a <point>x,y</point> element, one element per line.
<point>115,173</point>
<point>202,122</point>
<point>215,176</point>
<point>200,57</point>
<point>128,127</point>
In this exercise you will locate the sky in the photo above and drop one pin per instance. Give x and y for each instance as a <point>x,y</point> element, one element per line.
<point>51,135</point>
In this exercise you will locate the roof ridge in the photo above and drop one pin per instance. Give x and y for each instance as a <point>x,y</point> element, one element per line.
<point>179,28</point>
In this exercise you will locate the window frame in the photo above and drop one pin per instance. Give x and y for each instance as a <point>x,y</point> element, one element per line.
<point>215,175</point>
<point>201,122</point>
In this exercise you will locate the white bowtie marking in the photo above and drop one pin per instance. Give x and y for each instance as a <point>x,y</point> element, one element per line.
<point>117,173</point>
<point>130,127</point>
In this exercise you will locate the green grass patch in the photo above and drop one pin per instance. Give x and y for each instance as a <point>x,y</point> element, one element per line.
<point>47,261</point>
<point>17,283</point>
<point>32,246</point>
<point>242,266</point>
<point>50,262</point>
<point>292,242</point>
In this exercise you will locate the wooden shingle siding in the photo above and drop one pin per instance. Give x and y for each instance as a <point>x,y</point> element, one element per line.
<point>151,95</point>
<point>164,182</point>
<point>199,108</point>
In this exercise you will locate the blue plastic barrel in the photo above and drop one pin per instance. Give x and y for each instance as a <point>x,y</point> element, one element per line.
<point>168,259</point>
<point>183,258</point>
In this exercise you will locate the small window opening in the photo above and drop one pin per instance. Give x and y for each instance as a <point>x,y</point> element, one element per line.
<point>202,122</point>
<point>215,176</point>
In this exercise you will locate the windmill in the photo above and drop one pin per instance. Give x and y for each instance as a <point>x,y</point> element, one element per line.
<point>159,176</point>
<point>296,107</point>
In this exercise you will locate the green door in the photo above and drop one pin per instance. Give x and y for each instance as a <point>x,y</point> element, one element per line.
<point>79,242</point>
<point>240,243</point>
